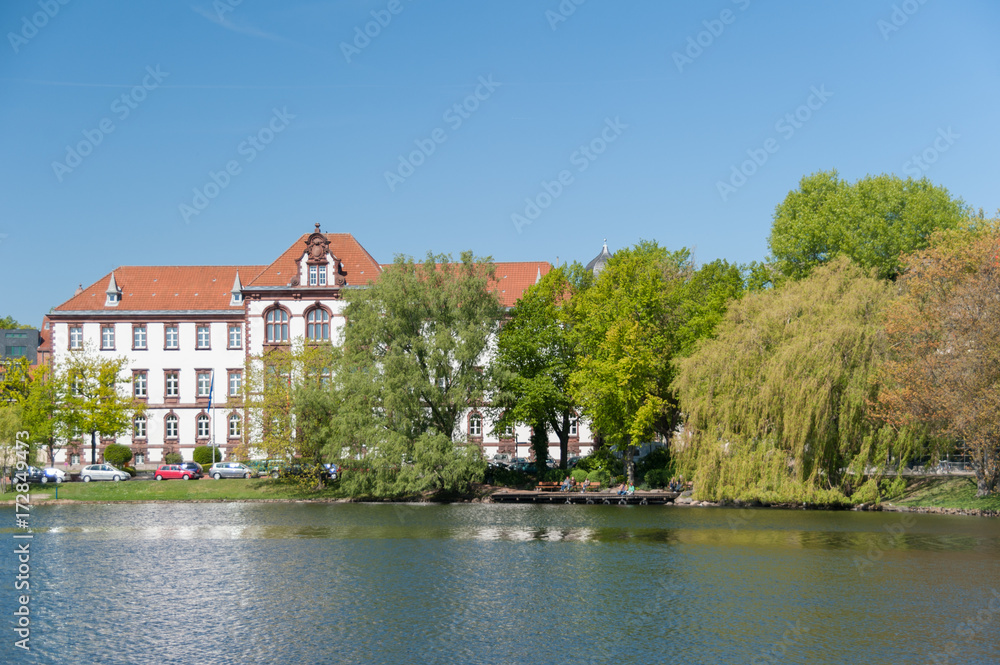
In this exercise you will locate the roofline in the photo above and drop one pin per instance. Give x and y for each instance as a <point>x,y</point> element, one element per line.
<point>128,313</point>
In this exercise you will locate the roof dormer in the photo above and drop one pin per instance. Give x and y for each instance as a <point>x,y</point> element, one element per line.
<point>114,293</point>
<point>237,291</point>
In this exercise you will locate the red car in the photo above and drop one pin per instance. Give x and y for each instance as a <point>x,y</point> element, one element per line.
<point>168,471</point>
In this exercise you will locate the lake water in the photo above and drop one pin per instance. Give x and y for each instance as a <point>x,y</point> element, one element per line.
<point>498,584</point>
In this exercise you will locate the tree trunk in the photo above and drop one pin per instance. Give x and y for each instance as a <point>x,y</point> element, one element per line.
<point>93,447</point>
<point>630,462</point>
<point>564,442</point>
<point>540,444</point>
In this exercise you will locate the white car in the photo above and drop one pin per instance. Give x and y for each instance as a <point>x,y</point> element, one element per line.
<point>53,475</point>
<point>103,472</point>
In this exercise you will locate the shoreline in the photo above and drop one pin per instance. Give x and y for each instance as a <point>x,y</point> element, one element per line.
<point>883,507</point>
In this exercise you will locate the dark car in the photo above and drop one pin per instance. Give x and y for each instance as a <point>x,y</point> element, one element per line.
<point>32,474</point>
<point>325,471</point>
<point>194,468</point>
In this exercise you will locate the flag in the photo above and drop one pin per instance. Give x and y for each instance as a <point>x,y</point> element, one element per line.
<point>211,389</point>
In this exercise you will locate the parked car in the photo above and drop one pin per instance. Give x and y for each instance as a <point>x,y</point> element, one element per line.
<point>53,475</point>
<point>197,471</point>
<point>263,467</point>
<point>30,475</point>
<point>221,470</point>
<point>326,471</point>
<point>173,472</point>
<point>103,472</point>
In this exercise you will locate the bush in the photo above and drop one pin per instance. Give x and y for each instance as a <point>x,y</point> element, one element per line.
<point>602,477</point>
<point>579,475</point>
<point>130,470</point>
<point>657,478</point>
<point>173,458</point>
<point>656,460</point>
<point>117,455</point>
<point>203,455</point>
<point>602,459</point>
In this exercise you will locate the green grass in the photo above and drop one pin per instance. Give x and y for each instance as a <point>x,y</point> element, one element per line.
<point>946,493</point>
<point>234,489</point>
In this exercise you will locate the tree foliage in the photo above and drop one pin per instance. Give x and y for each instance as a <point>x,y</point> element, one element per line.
<point>778,403</point>
<point>205,455</point>
<point>97,398</point>
<point>271,381</point>
<point>944,371</point>
<point>872,221</point>
<point>534,359</point>
<point>411,366</point>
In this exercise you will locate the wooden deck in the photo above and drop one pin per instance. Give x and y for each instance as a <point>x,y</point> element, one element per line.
<point>606,497</point>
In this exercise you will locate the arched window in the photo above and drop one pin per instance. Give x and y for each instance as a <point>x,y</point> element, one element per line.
<point>170,426</point>
<point>318,325</point>
<point>475,424</point>
<point>139,427</point>
<point>277,326</point>
<point>202,426</point>
<point>235,426</point>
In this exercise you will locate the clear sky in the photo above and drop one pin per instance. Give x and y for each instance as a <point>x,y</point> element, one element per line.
<point>616,120</point>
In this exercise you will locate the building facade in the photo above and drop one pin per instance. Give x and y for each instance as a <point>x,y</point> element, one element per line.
<point>187,331</point>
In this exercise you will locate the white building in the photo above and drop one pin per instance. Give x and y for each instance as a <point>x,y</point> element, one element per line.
<point>183,327</point>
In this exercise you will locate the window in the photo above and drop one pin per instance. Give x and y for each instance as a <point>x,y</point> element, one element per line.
<point>139,428</point>
<point>204,337</point>
<point>574,426</point>
<point>475,425</point>
<point>442,382</point>
<point>202,426</point>
<point>170,426</point>
<point>322,275</point>
<point>76,337</point>
<point>17,351</point>
<point>171,339</point>
<point>318,325</point>
<point>235,382</point>
<point>235,336</point>
<point>74,458</point>
<point>140,458</point>
<point>19,335</point>
<point>235,426</point>
<point>508,432</point>
<point>204,384</point>
<point>139,385</point>
<point>172,388</point>
<point>313,279</point>
<point>108,338</point>
<point>139,336</point>
<point>277,326</point>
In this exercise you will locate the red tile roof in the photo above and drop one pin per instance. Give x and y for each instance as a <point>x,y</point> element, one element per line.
<point>164,288</point>
<point>513,279</point>
<point>355,260</point>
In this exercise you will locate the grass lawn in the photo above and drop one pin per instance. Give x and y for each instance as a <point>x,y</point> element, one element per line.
<point>946,493</point>
<point>232,489</point>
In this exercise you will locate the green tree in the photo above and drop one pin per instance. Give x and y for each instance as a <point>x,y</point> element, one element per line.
<point>534,359</point>
<point>15,379</point>
<point>778,404</point>
<point>872,221</point>
<point>627,327</point>
<point>411,367</point>
<point>270,385</point>
<point>117,455</point>
<point>43,411</point>
<point>9,323</point>
<point>97,400</point>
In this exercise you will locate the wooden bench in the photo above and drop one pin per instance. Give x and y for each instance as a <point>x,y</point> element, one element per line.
<point>548,487</point>
<point>592,487</point>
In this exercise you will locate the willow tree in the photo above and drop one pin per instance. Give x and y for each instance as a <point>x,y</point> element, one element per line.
<point>873,221</point>
<point>944,370</point>
<point>412,362</point>
<point>777,405</point>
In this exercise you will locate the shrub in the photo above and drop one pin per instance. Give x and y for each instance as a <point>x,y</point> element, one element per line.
<point>657,478</point>
<point>602,477</point>
<point>117,455</point>
<point>203,455</point>
<point>658,459</point>
<point>173,458</point>
<point>130,470</point>
<point>579,475</point>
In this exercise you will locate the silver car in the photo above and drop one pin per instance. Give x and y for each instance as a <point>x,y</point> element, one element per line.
<point>230,470</point>
<point>103,472</point>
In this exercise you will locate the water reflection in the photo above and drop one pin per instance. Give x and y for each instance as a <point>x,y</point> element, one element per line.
<point>264,583</point>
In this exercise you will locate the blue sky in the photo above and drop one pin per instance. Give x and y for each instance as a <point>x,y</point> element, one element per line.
<point>596,120</point>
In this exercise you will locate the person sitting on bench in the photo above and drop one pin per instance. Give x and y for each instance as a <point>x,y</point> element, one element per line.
<point>566,484</point>
<point>585,485</point>
<point>622,489</point>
